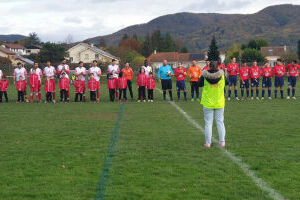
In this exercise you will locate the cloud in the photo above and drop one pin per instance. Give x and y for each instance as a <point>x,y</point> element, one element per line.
<point>53,20</point>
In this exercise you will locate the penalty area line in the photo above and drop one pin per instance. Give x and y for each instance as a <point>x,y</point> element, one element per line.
<point>264,186</point>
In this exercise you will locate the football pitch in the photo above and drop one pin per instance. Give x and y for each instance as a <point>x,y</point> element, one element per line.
<point>148,151</point>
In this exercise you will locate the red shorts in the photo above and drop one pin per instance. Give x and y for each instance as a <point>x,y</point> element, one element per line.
<point>34,89</point>
<point>53,83</point>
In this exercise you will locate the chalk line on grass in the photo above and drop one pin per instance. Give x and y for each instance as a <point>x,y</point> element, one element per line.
<point>107,163</point>
<point>243,166</point>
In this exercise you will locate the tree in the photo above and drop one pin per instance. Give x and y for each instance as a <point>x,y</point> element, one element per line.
<point>249,55</point>
<point>257,44</point>
<point>5,61</point>
<point>52,52</point>
<point>147,48</point>
<point>157,41</point>
<point>298,49</point>
<point>32,39</point>
<point>125,37</point>
<point>184,50</point>
<point>288,58</point>
<point>213,53</point>
<point>130,44</point>
<point>168,44</point>
<point>69,39</point>
<point>102,42</point>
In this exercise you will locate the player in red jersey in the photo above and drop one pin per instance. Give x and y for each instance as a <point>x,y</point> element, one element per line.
<point>267,73</point>
<point>279,71</point>
<point>233,70</point>
<point>255,73</point>
<point>292,78</point>
<point>180,74</point>
<point>206,67</point>
<point>244,76</point>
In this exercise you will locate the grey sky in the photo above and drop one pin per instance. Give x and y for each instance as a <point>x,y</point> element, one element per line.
<point>53,20</point>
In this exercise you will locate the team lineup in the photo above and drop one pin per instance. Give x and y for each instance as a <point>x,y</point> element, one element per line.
<point>119,81</point>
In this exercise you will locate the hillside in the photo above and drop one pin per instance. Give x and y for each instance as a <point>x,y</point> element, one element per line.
<point>280,24</point>
<point>11,38</point>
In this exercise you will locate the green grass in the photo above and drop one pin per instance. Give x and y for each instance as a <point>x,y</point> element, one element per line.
<point>58,151</point>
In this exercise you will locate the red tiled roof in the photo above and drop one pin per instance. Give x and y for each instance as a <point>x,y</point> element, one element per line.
<point>13,46</point>
<point>6,51</point>
<point>274,51</point>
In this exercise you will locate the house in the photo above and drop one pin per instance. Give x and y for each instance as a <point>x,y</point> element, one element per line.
<point>33,49</point>
<point>174,58</point>
<point>14,57</point>
<point>87,53</point>
<point>273,53</point>
<point>16,48</point>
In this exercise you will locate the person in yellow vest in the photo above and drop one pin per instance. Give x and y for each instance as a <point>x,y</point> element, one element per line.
<point>213,101</point>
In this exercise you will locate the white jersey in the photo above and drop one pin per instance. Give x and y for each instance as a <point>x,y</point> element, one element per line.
<point>63,68</point>
<point>20,72</point>
<point>96,71</point>
<point>113,69</point>
<point>148,69</point>
<point>1,74</point>
<point>82,71</point>
<point>50,72</point>
<point>38,71</point>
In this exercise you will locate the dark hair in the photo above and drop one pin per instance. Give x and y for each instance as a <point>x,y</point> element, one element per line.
<point>279,60</point>
<point>113,60</point>
<point>80,62</point>
<point>213,65</point>
<point>295,61</point>
<point>140,70</point>
<point>19,63</point>
<point>63,59</point>
<point>95,61</point>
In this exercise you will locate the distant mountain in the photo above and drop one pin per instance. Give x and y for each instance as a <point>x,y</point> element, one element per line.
<point>12,38</point>
<point>280,24</point>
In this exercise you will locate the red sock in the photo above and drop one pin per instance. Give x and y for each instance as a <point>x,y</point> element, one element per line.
<point>53,95</point>
<point>37,97</point>
<point>98,95</point>
<point>31,97</point>
<point>68,94</point>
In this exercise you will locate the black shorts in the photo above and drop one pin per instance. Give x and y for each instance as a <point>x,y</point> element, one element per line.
<point>166,84</point>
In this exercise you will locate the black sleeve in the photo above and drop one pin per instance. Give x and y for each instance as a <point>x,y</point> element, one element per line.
<point>201,81</point>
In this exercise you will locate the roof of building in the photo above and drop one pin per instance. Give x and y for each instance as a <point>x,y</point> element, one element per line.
<point>26,60</point>
<point>13,45</point>
<point>274,51</point>
<point>175,57</point>
<point>95,49</point>
<point>6,51</point>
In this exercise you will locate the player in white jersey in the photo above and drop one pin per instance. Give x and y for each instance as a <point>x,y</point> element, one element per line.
<point>81,71</point>
<point>20,71</point>
<point>97,73</point>
<point>49,71</point>
<point>147,68</point>
<point>114,69</point>
<point>39,72</point>
<point>1,74</point>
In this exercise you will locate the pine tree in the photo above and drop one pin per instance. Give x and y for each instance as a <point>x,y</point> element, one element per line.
<point>213,53</point>
<point>147,47</point>
<point>184,50</point>
<point>157,41</point>
<point>168,44</point>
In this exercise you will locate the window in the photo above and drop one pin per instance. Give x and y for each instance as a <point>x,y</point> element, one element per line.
<point>86,56</point>
<point>96,56</point>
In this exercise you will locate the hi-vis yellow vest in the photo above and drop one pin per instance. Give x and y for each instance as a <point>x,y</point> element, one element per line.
<point>213,94</point>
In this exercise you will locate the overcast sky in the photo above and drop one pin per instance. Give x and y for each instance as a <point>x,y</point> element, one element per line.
<point>53,20</point>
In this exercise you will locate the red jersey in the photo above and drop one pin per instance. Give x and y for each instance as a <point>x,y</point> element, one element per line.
<point>267,72</point>
<point>93,85</point>
<point>279,70</point>
<point>141,80</point>
<point>244,73</point>
<point>49,86</point>
<point>180,74</point>
<point>292,69</point>
<point>221,66</point>
<point>4,85</point>
<point>255,72</point>
<point>64,84</point>
<point>150,83</point>
<point>122,82</point>
<point>233,69</point>
<point>79,86</point>
<point>205,68</point>
<point>21,85</point>
<point>112,83</point>
<point>34,81</point>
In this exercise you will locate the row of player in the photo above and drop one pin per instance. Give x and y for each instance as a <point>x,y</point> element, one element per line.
<point>117,83</point>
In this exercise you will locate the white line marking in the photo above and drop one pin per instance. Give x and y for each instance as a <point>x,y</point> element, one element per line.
<point>244,167</point>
